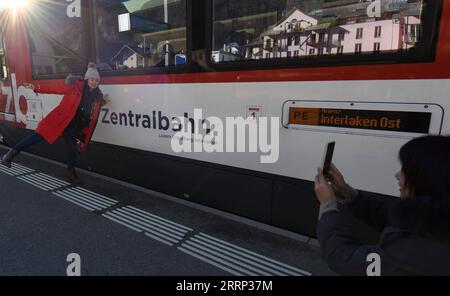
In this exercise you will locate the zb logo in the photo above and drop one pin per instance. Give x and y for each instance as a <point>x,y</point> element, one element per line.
<point>74,8</point>
<point>74,268</point>
<point>374,268</point>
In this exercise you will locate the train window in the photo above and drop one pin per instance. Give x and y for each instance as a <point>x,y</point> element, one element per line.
<point>305,29</point>
<point>139,34</point>
<point>56,39</point>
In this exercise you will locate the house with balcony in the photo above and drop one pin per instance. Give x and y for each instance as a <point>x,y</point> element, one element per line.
<point>339,30</point>
<point>288,37</point>
<point>129,57</point>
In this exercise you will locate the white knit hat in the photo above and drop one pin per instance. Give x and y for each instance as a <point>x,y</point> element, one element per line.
<point>92,71</point>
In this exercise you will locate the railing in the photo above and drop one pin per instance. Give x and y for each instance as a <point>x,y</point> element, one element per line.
<point>295,30</point>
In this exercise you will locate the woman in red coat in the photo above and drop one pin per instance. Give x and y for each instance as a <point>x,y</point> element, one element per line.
<point>75,114</point>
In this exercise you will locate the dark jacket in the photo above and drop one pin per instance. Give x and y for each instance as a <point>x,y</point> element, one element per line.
<point>86,106</point>
<point>415,236</point>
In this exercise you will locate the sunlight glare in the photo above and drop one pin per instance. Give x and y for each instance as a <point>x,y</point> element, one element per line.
<point>14,5</point>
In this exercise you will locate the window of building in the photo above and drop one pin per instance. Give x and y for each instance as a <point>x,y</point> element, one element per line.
<point>132,35</point>
<point>376,47</point>
<point>341,37</point>
<point>321,37</point>
<point>413,34</point>
<point>377,31</point>
<point>290,41</point>
<point>289,54</point>
<point>58,47</point>
<point>321,51</point>
<point>340,49</point>
<point>296,53</point>
<point>359,33</point>
<point>358,48</point>
<point>312,51</point>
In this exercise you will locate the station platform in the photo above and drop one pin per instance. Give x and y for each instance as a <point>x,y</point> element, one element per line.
<point>118,228</point>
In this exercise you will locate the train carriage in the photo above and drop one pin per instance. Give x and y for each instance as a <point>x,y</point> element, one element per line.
<point>369,75</point>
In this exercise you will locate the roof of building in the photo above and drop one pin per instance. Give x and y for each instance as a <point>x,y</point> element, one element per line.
<point>132,48</point>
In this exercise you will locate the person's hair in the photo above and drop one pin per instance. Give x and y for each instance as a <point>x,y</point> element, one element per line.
<point>426,166</point>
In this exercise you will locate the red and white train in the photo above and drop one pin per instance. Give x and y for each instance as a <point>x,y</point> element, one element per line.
<point>369,75</point>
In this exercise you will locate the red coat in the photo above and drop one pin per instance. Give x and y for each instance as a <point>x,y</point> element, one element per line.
<point>54,124</point>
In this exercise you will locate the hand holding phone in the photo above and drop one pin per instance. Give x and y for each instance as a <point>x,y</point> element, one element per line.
<point>327,157</point>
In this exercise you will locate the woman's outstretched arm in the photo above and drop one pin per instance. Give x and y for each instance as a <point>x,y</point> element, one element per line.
<point>56,89</point>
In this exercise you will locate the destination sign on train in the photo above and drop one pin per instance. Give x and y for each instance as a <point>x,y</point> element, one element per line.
<point>397,121</point>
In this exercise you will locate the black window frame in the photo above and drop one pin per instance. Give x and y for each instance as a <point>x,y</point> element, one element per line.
<point>424,53</point>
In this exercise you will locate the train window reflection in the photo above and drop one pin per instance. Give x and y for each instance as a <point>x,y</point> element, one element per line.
<point>57,41</point>
<point>140,34</point>
<point>277,29</point>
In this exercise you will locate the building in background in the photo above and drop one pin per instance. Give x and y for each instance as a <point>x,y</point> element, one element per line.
<point>316,28</point>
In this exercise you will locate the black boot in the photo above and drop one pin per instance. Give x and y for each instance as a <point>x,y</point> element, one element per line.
<point>7,159</point>
<point>72,177</point>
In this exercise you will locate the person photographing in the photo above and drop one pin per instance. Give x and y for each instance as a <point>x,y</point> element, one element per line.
<point>415,228</point>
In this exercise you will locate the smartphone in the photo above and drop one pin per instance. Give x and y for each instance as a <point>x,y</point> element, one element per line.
<point>327,157</point>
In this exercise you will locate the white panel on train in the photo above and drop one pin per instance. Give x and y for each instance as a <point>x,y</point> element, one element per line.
<point>362,157</point>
